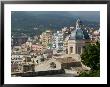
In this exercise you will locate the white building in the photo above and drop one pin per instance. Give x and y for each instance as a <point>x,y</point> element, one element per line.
<point>16,62</point>
<point>58,41</point>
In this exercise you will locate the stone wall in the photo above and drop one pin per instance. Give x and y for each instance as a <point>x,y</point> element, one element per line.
<point>72,64</point>
<point>40,73</point>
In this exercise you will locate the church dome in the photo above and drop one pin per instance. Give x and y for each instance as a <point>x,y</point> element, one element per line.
<point>78,33</point>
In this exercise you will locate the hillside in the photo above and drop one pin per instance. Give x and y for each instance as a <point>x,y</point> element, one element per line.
<point>34,23</point>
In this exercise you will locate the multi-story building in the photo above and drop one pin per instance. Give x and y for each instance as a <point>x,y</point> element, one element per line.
<point>46,38</point>
<point>58,41</point>
<point>37,47</point>
<point>16,49</point>
<point>95,35</point>
<point>66,31</point>
<point>16,62</point>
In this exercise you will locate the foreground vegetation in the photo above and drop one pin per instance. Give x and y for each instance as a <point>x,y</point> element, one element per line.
<point>91,58</point>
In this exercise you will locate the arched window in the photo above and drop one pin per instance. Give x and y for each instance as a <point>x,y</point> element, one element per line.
<point>71,49</point>
<point>37,61</point>
<point>79,50</point>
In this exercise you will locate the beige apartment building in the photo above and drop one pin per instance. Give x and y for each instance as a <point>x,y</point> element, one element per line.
<point>46,38</point>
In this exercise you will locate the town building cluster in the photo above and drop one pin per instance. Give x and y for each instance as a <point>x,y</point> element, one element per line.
<point>52,50</point>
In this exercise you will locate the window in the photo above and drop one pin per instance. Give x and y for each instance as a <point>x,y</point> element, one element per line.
<point>66,51</point>
<point>71,49</point>
<point>28,59</point>
<point>37,61</point>
<point>79,50</point>
<point>60,44</point>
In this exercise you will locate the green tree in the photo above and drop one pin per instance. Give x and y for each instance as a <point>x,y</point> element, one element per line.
<point>91,56</point>
<point>91,73</point>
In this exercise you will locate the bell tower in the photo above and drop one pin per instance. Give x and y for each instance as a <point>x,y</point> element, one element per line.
<point>78,26</point>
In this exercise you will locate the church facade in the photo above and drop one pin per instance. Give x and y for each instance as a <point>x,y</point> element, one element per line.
<point>77,40</point>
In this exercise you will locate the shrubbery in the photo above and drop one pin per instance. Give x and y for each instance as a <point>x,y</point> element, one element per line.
<point>91,58</point>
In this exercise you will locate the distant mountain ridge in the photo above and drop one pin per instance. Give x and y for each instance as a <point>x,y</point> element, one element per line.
<point>31,22</point>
